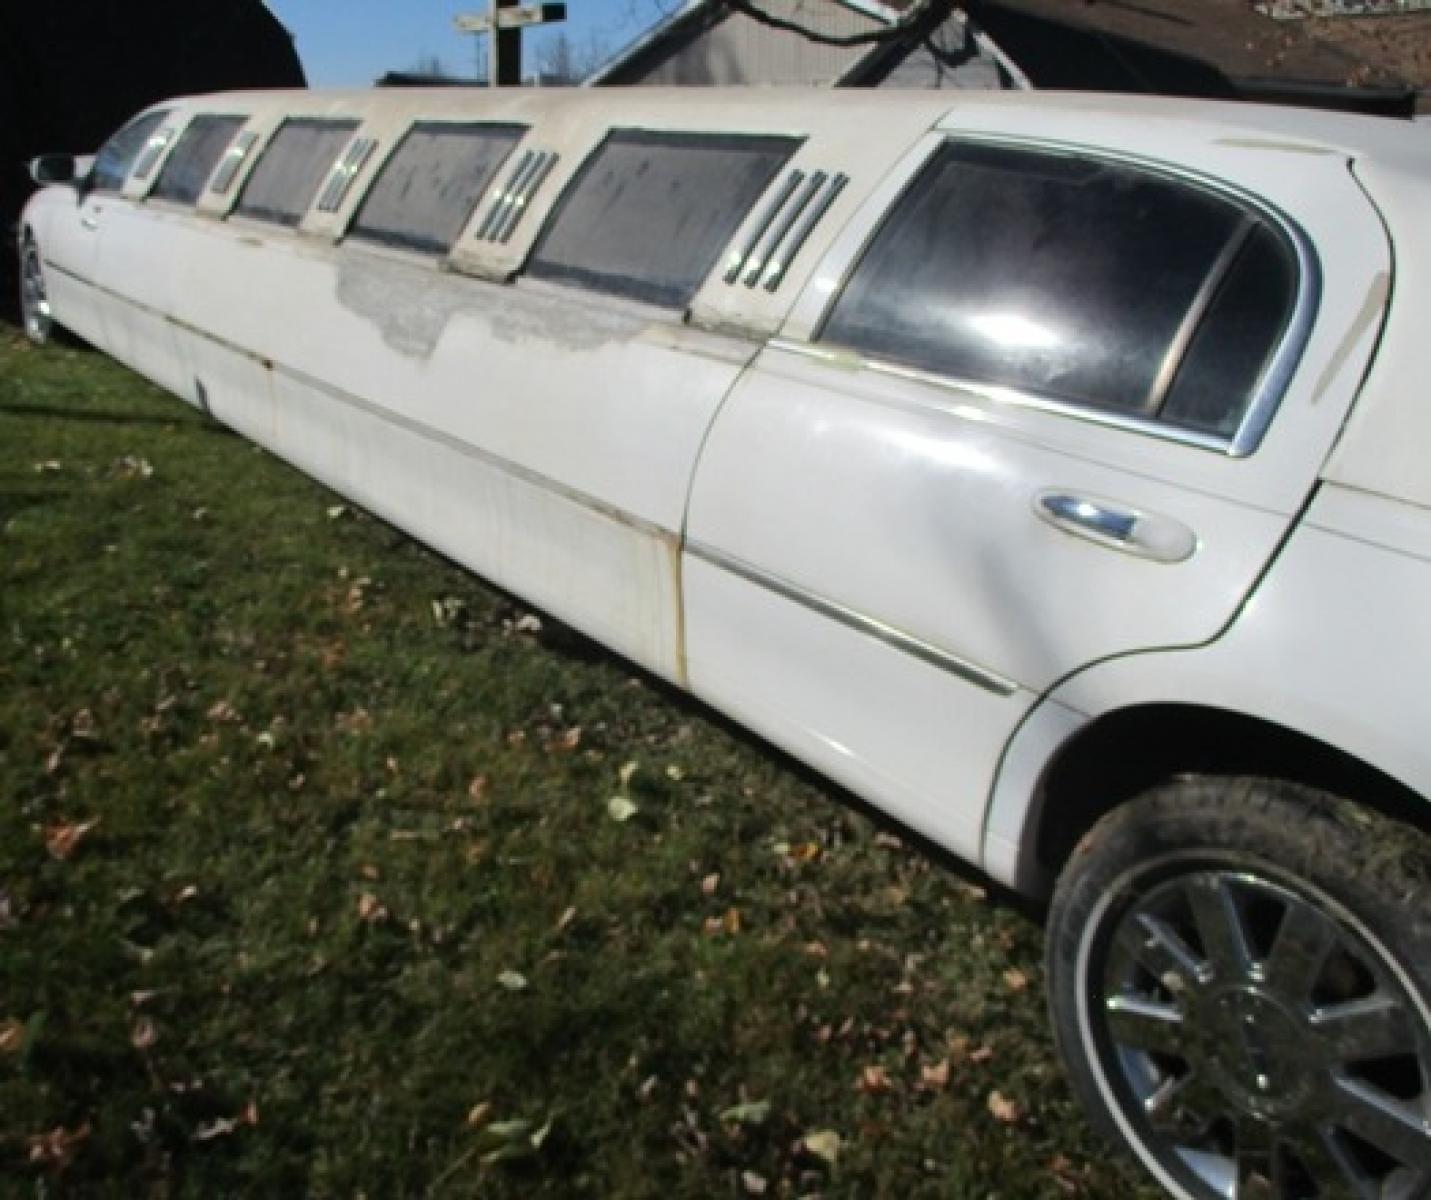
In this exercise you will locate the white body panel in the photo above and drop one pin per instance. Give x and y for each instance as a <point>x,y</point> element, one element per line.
<point>1330,646</point>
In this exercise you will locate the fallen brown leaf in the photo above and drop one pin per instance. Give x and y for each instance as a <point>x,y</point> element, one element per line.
<point>222,710</point>
<point>1002,1108</point>
<point>370,908</point>
<point>935,1076</point>
<point>12,1035</point>
<point>144,1034</point>
<point>710,883</point>
<point>874,1080</point>
<point>1015,980</point>
<point>63,840</point>
<point>57,1148</point>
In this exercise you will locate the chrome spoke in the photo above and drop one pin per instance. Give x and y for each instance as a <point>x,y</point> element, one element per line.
<point>1219,925</point>
<point>1299,951</point>
<point>1144,1024</point>
<point>1255,1154</point>
<point>1376,1026</point>
<point>1156,947</point>
<point>1337,1176</point>
<point>1183,1108</point>
<point>1394,1127</point>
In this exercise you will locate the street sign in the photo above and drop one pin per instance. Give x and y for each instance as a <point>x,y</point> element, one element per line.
<point>503,27</point>
<point>512,18</point>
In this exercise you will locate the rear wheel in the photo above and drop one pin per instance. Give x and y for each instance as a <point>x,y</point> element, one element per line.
<point>1240,983</point>
<point>34,301</point>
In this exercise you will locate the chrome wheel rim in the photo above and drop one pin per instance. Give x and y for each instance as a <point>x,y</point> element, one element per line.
<point>1254,1040</point>
<point>34,303</point>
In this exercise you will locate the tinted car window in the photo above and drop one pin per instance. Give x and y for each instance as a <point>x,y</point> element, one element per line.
<point>287,174</point>
<point>427,190</point>
<point>1062,276</point>
<point>1231,347</point>
<point>648,213</point>
<point>194,157</point>
<point>116,157</point>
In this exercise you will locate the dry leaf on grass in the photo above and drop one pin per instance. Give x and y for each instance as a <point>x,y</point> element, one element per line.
<point>935,1076</point>
<point>144,1034</point>
<point>752,1112</point>
<point>824,1144</point>
<point>755,1185</point>
<point>1015,980</point>
<point>12,1036</point>
<point>63,839</point>
<point>710,883</point>
<point>223,711</point>
<point>57,1148</point>
<point>874,1080</point>
<point>620,809</point>
<point>1002,1108</point>
<point>371,909</point>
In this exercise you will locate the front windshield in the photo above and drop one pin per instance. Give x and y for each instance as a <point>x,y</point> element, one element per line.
<point>116,156</point>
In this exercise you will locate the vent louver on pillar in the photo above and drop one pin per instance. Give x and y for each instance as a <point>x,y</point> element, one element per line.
<point>511,200</point>
<point>782,228</point>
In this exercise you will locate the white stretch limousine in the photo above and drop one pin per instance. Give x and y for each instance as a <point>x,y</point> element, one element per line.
<point>1049,470</point>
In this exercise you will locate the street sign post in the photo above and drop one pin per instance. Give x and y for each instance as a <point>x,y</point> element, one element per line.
<point>503,27</point>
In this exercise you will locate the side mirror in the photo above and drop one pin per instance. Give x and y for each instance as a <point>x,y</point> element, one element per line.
<point>53,168</point>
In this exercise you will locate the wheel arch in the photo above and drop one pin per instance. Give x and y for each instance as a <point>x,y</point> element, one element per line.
<point>1122,753</point>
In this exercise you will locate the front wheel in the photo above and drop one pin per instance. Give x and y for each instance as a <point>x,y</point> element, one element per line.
<point>1240,985</point>
<point>35,314</point>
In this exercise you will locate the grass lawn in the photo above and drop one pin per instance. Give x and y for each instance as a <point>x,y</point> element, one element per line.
<point>311,882</point>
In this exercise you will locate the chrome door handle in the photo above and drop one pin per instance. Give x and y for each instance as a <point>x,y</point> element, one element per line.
<point>89,222</point>
<point>1144,534</point>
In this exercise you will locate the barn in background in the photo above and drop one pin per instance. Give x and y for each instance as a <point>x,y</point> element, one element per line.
<point>1221,49</point>
<point>73,72</point>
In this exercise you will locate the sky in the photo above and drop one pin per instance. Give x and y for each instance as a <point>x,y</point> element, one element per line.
<point>349,43</point>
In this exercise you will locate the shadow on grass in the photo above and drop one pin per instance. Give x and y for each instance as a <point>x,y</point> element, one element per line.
<point>181,419</point>
<point>565,641</point>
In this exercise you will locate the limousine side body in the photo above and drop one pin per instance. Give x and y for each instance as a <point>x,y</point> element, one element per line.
<point>1020,463</point>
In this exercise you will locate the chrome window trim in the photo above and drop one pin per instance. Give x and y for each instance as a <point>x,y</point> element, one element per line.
<point>153,150</point>
<point>848,359</point>
<point>1267,393</point>
<point>234,158</point>
<point>896,639</point>
<point>344,172</point>
<point>1192,319</point>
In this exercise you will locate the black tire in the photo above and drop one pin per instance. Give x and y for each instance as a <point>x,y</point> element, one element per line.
<point>1240,985</point>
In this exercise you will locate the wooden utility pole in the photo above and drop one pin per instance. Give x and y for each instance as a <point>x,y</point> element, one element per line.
<point>503,27</point>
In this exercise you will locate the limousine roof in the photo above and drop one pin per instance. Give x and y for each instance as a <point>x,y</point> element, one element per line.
<point>801,109</point>
<point>1383,446</point>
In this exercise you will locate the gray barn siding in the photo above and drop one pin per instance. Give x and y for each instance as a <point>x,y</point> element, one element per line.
<point>739,50</point>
